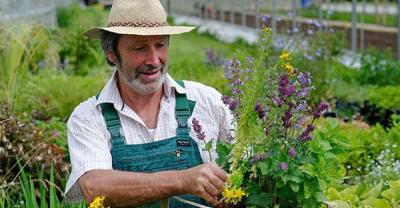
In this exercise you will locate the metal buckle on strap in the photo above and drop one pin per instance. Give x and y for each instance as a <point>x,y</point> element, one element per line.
<point>115,131</point>
<point>182,112</point>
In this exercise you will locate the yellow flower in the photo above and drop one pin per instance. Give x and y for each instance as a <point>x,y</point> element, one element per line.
<point>289,68</point>
<point>233,195</point>
<point>285,56</point>
<point>97,202</point>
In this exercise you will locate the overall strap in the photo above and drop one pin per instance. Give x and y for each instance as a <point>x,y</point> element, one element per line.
<point>113,123</point>
<point>183,110</point>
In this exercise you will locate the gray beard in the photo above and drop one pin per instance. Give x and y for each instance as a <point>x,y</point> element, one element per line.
<point>144,88</point>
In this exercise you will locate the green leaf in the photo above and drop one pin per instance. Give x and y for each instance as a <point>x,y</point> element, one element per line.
<point>259,199</point>
<point>264,167</point>
<point>223,148</point>
<point>375,202</point>
<point>308,169</point>
<point>393,193</point>
<point>295,187</point>
<point>208,145</point>
<point>333,194</point>
<point>374,192</point>
<point>340,204</point>
<point>236,178</point>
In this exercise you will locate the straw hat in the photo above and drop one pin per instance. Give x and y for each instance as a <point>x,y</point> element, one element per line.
<point>138,17</point>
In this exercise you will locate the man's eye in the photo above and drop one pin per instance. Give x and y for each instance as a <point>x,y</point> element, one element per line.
<point>138,49</point>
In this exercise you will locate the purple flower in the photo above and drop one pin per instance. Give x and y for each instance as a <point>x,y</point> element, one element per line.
<point>277,101</point>
<point>318,52</point>
<point>303,92</point>
<point>257,158</point>
<point>323,106</point>
<point>310,32</point>
<point>308,57</point>
<point>259,109</point>
<point>233,105</point>
<point>292,152</point>
<point>265,18</point>
<point>306,135</point>
<point>225,99</point>
<point>198,129</point>
<point>283,166</point>
<point>286,119</point>
<point>304,78</point>
<point>302,106</point>
<point>290,90</point>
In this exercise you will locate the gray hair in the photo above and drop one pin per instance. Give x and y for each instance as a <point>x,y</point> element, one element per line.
<point>109,42</point>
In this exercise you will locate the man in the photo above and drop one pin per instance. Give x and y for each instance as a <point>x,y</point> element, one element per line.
<point>133,142</point>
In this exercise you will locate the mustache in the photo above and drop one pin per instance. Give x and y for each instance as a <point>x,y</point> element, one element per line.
<point>148,68</point>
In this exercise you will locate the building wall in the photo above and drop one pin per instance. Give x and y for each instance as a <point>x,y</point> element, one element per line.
<point>28,11</point>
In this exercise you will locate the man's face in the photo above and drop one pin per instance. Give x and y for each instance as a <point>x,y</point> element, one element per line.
<point>143,61</point>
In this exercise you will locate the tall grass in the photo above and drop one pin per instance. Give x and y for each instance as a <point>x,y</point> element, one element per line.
<point>19,47</point>
<point>36,193</point>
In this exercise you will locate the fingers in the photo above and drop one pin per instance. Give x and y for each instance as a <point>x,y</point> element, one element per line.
<point>211,189</point>
<point>211,200</point>
<point>220,173</point>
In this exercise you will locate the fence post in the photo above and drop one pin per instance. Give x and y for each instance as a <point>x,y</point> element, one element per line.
<point>257,15</point>
<point>398,29</point>
<point>231,6</point>
<point>320,14</point>
<point>353,26</point>
<point>273,17</point>
<point>294,9</point>
<point>242,5</point>
<point>362,28</point>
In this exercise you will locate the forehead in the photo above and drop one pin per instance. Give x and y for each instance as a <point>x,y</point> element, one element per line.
<point>132,39</point>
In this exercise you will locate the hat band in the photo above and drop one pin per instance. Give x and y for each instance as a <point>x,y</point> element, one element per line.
<point>137,24</point>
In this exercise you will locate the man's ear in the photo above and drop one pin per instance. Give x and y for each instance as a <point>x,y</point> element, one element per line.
<point>111,57</point>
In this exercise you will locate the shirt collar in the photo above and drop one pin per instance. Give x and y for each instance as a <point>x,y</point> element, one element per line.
<point>110,92</point>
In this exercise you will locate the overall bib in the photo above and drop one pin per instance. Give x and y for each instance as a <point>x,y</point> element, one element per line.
<point>175,153</point>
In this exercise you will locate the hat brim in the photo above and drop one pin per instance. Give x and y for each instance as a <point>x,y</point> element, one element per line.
<point>165,30</point>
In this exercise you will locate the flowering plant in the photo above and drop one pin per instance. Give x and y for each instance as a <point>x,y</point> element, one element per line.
<point>272,161</point>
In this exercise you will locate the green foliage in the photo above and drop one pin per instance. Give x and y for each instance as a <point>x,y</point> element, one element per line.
<point>192,65</point>
<point>366,195</point>
<point>80,55</point>
<point>379,68</point>
<point>387,97</point>
<point>46,93</point>
<point>22,47</point>
<point>369,146</point>
<point>40,192</point>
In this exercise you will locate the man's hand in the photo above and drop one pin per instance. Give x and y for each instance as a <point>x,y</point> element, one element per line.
<point>206,181</point>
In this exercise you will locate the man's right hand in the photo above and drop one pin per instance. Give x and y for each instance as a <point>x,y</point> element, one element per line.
<point>206,181</point>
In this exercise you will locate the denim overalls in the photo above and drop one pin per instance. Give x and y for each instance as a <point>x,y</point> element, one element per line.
<point>175,153</point>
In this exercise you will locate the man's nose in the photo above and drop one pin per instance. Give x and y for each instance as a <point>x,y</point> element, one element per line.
<point>152,57</point>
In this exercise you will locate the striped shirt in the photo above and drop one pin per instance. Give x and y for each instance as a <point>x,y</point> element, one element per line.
<point>88,137</point>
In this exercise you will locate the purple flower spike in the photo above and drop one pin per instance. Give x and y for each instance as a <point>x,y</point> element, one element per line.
<point>233,105</point>
<point>277,101</point>
<point>292,152</point>
<point>257,158</point>
<point>283,166</point>
<point>286,119</point>
<point>323,106</point>
<point>306,135</point>
<point>198,129</point>
<point>259,109</point>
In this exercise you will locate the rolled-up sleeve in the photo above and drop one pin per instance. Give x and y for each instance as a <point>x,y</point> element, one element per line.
<point>88,148</point>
